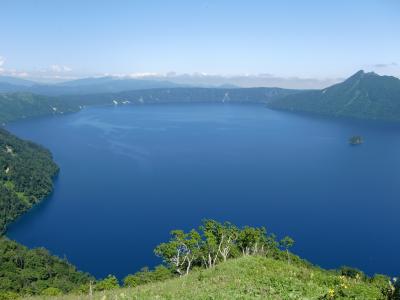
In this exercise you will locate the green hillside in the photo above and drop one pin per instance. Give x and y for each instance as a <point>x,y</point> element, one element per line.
<point>26,172</point>
<point>252,277</point>
<point>14,106</point>
<point>25,271</point>
<point>363,95</point>
<point>182,95</point>
<point>223,261</point>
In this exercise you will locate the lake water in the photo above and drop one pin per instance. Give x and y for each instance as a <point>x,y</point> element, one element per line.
<point>131,174</point>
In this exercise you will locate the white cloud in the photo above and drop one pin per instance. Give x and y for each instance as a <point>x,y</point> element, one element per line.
<point>2,60</point>
<point>60,68</point>
<point>391,69</point>
<point>132,75</point>
<point>144,74</point>
<point>385,65</point>
<point>52,73</point>
<point>16,73</point>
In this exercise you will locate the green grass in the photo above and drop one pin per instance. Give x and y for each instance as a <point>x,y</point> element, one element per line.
<point>9,185</point>
<point>248,278</point>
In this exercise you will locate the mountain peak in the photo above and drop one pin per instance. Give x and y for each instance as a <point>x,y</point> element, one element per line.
<point>363,95</point>
<point>356,76</point>
<point>361,74</point>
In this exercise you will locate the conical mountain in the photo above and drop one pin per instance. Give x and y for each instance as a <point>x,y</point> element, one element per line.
<point>363,95</point>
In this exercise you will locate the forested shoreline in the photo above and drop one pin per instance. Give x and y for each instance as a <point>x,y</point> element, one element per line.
<point>26,176</point>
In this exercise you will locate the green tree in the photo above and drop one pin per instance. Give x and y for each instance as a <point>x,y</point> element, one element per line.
<point>228,234</point>
<point>252,240</point>
<point>181,251</point>
<point>287,242</point>
<point>217,241</point>
<point>209,253</point>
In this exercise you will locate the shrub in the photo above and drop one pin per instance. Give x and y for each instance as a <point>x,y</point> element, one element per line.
<point>352,272</point>
<point>8,295</point>
<point>383,283</point>
<point>51,291</point>
<point>108,283</point>
<point>146,276</point>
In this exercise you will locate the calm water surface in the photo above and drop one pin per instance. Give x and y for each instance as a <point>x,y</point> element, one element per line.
<point>131,174</point>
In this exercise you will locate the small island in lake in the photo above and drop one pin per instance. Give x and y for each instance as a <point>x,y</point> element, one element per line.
<point>356,140</point>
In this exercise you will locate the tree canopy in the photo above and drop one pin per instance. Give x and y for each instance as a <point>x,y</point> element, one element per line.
<point>26,172</point>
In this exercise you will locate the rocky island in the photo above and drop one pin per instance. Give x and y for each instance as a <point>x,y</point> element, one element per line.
<point>356,140</point>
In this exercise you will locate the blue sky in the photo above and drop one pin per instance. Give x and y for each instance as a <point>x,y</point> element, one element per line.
<point>307,39</point>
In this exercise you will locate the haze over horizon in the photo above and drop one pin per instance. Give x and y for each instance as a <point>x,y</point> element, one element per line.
<point>311,44</point>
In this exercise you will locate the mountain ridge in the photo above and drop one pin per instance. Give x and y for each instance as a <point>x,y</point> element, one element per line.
<point>362,95</point>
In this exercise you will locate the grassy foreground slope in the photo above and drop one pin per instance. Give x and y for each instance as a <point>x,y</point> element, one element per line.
<point>250,277</point>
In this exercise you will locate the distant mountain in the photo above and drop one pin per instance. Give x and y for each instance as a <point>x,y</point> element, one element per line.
<point>244,80</point>
<point>16,81</point>
<point>11,84</point>
<point>87,81</point>
<point>114,84</point>
<point>11,88</point>
<point>228,86</point>
<point>363,95</point>
<point>182,95</point>
<point>82,86</point>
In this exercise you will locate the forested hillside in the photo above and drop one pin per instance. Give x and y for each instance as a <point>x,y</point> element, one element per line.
<point>30,272</point>
<point>16,106</point>
<point>363,95</point>
<point>26,172</point>
<point>183,95</point>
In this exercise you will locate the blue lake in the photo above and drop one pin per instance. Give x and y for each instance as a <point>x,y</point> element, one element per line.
<point>131,174</point>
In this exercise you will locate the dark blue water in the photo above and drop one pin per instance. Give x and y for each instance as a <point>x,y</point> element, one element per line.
<point>131,174</point>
